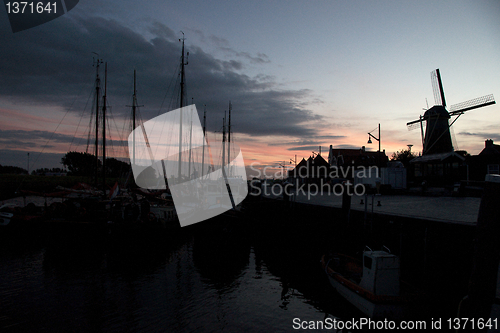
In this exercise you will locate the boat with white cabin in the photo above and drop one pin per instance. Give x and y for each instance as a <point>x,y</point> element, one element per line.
<point>373,285</point>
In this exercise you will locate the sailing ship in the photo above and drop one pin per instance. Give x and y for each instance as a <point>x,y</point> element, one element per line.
<point>157,207</point>
<point>91,210</point>
<point>199,190</point>
<point>85,211</point>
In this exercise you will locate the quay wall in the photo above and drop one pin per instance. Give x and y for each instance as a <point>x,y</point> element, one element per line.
<point>437,257</point>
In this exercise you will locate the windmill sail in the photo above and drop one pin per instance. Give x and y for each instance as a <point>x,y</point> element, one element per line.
<point>437,87</point>
<point>472,104</point>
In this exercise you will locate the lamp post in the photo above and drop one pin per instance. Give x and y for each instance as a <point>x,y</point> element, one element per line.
<point>370,136</point>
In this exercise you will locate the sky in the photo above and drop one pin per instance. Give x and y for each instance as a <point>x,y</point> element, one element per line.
<point>299,74</point>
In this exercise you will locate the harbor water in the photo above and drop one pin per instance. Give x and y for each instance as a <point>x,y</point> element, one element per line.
<point>191,284</point>
<point>255,274</point>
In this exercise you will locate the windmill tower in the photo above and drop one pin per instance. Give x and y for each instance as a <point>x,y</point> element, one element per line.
<point>437,137</point>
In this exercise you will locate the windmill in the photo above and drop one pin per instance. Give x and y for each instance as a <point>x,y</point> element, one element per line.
<point>437,137</point>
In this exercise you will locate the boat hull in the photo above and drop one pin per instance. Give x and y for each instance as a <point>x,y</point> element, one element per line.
<point>373,306</point>
<point>370,309</point>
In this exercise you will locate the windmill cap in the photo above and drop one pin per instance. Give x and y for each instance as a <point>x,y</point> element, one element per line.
<point>437,111</point>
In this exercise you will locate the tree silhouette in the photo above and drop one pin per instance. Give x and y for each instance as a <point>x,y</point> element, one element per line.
<point>404,156</point>
<point>12,170</point>
<point>116,168</point>
<point>80,164</point>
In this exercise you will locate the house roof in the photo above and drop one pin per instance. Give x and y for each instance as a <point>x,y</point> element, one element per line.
<point>359,156</point>
<point>310,164</point>
<point>490,150</point>
<point>319,160</point>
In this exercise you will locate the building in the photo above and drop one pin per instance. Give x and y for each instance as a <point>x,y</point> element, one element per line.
<point>440,170</point>
<point>311,171</point>
<point>357,157</point>
<point>486,162</point>
<point>341,164</point>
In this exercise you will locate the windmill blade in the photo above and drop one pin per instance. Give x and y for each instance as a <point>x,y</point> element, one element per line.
<point>414,124</point>
<point>437,88</point>
<point>472,104</point>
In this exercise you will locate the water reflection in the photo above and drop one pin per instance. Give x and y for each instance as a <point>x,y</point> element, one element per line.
<point>231,280</point>
<point>221,257</point>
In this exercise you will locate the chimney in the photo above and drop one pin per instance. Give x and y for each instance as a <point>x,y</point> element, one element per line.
<point>488,143</point>
<point>363,149</point>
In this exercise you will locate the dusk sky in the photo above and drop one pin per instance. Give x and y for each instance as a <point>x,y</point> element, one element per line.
<point>299,74</point>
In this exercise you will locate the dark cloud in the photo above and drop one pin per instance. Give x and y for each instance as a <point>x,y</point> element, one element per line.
<point>43,139</point>
<point>330,137</point>
<point>319,139</point>
<point>260,58</point>
<point>311,148</point>
<point>223,45</point>
<point>483,135</point>
<point>31,139</point>
<point>52,65</point>
<point>163,31</point>
<point>346,146</point>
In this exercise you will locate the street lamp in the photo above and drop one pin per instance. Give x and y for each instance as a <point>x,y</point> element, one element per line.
<point>370,136</point>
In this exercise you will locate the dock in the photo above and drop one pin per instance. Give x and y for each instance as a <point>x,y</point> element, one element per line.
<point>459,210</point>
<point>445,209</point>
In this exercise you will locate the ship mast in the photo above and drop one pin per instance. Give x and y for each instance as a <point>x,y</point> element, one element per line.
<point>190,141</point>
<point>229,142</point>
<point>223,161</point>
<point>181,105</point>
<point>97,62</point>
<point>134,109</point>
<point>104,129</point>
<point>223,144</point>
<point>204,130</point>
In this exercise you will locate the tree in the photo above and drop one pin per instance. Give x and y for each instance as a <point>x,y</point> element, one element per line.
<point>7,169</point>
<point>116,168</point>
<point>80,164</point>
<point>404,156</point>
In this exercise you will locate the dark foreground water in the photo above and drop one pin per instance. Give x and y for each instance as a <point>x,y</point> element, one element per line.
<point>207,282</point>
<point>254,274</point>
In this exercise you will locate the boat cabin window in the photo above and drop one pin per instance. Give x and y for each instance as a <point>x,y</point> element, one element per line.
<point>367,262</point>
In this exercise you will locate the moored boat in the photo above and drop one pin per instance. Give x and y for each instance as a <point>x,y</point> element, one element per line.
<point>373,285</point>
<point>19,221</point>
